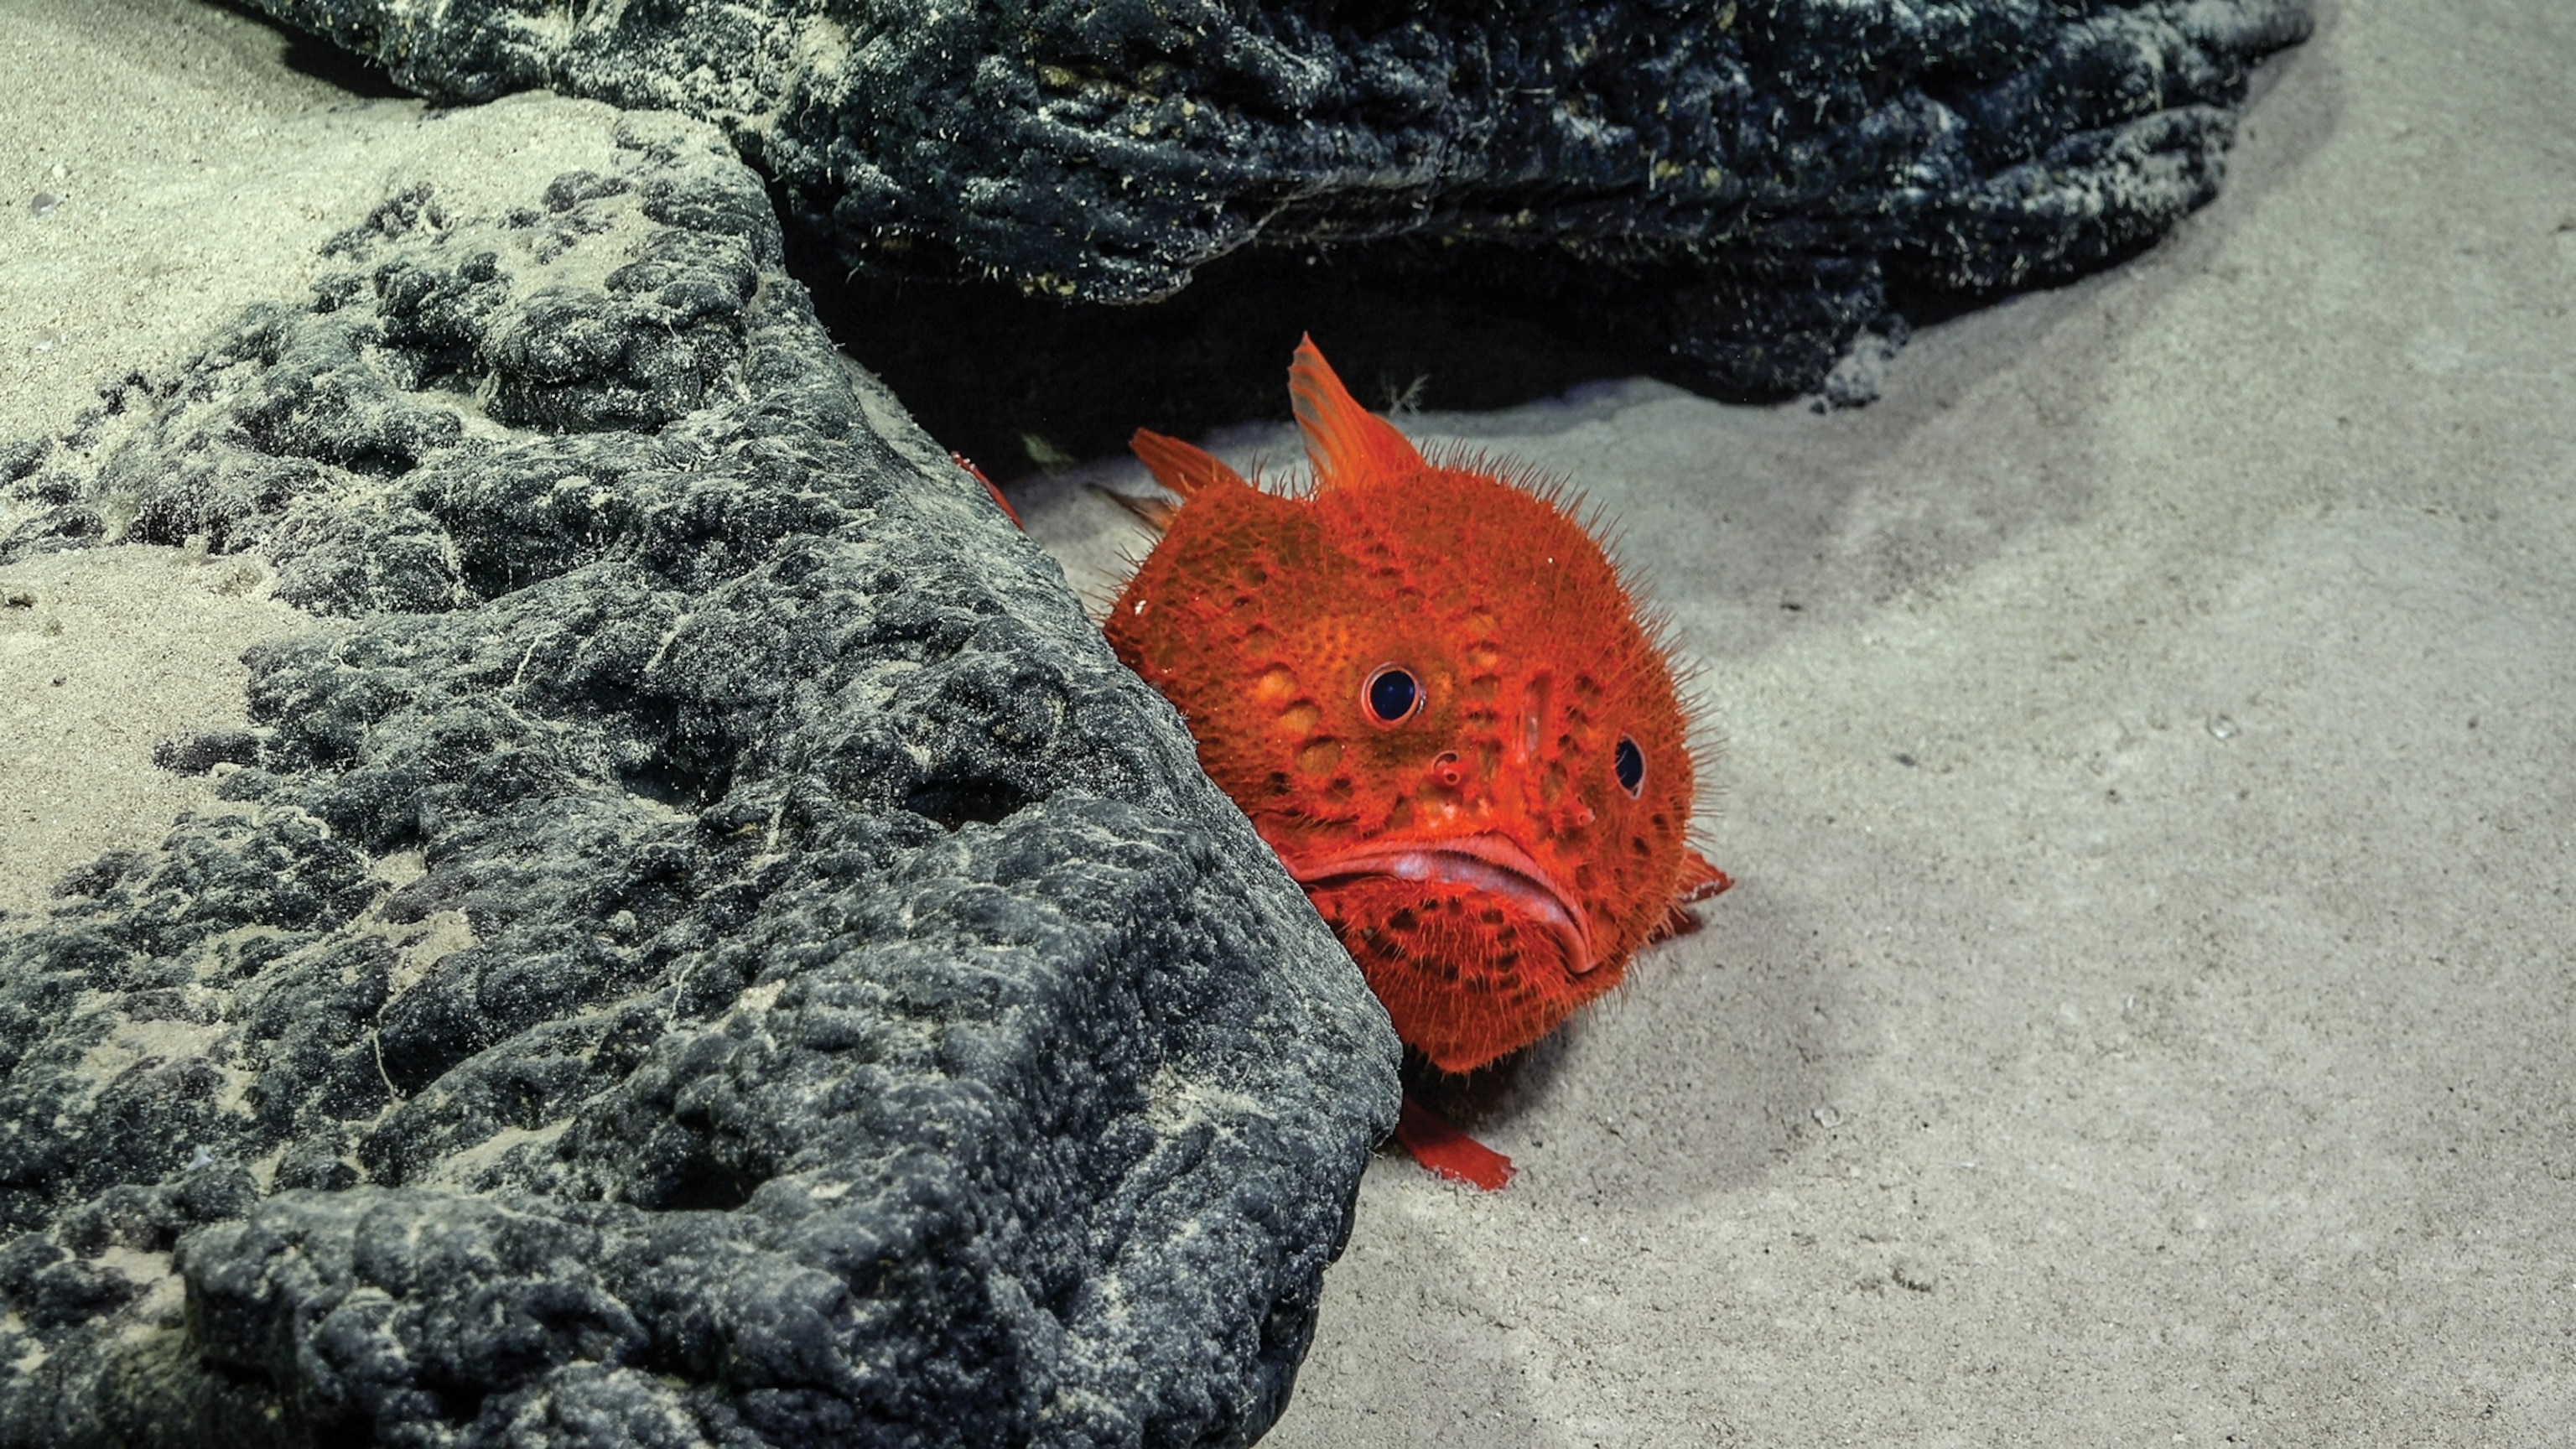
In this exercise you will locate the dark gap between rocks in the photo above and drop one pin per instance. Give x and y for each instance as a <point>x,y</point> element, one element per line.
<point>1022,383</point>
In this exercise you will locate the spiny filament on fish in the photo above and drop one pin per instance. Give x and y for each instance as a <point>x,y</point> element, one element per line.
<point>1438,701</point>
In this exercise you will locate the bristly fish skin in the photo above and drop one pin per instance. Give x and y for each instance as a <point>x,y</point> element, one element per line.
<point>1429,688</point>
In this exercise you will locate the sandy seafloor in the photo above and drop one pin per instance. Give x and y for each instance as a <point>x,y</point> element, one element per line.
<point>2147,1012</point>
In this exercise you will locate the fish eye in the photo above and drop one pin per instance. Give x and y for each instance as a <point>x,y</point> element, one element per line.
<point>1392,695</point>
<point>1630,765</point>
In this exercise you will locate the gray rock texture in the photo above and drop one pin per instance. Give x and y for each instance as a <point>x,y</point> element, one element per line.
<point>703,944</point>
<point>1746,184</point>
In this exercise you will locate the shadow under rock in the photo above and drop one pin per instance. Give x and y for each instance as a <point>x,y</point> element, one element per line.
<point>1022,383</point>
<point>308,54</point>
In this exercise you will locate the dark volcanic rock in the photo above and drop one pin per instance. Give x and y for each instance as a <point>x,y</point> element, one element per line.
<point>706,946</point>
<point>1746,184</point>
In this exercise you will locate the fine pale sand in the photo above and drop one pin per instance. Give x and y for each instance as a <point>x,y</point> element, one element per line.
<point>2147,1012</point>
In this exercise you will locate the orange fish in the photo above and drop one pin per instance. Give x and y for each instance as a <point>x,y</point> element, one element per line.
<point>1437,700</point>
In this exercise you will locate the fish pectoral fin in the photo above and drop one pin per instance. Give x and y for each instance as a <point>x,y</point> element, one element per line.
<point>1182,467</point>
<point>1158,513</point>
<point>1699,880</point>
<point>1449,1152</point>
<point>1677,921</point>
<point>1346,443</point>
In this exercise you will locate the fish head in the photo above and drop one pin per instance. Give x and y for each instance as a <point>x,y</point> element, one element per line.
<point>1480,763</point>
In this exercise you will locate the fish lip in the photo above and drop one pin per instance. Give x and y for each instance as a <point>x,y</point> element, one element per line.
<point>1492,863</point>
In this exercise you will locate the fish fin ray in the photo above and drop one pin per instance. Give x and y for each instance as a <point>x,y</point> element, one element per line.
<point>1345,443</point>
<point>1185,468</point>
<point>1157,513</point>
<point>1013,514</point>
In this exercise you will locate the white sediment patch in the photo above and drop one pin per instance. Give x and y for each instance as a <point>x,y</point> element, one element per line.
<point>106,653</point>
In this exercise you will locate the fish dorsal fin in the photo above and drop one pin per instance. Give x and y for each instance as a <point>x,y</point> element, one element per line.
<point>1179,466</point>
<point>1346,443</point>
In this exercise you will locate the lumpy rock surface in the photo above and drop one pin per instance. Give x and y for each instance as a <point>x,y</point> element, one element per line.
<point>1744,183</point>
<point>702,946</point>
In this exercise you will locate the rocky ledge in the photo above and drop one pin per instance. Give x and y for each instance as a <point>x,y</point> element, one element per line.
<point>1746,186</point>
<point>702,944</point>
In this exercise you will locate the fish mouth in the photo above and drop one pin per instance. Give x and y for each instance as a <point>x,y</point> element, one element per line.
<point>1494,864</point>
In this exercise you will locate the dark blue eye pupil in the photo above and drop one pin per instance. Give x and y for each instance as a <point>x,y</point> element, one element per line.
<point>1392,694</point>
<point>1630,765</point>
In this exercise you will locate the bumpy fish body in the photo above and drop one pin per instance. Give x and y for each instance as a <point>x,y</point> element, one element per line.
<point>1434,696</point>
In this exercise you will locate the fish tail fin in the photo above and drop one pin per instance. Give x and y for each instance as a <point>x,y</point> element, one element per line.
<point>1346,443</point>
<point>1179,466</point>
